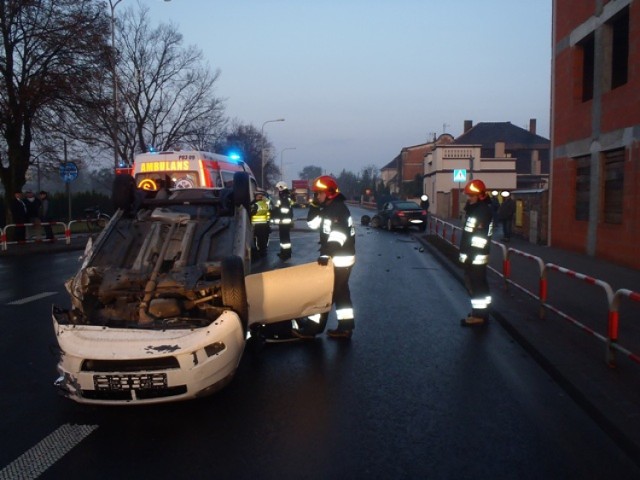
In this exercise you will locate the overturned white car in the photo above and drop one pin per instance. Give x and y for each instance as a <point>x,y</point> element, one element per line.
<point>162,307</point>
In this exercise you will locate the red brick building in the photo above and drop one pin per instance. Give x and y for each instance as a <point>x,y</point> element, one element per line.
<point>403,175</point>
<point>595,129</point>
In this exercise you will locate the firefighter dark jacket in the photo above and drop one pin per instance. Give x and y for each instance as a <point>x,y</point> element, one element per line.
<point>282,212</point>
<point>337,233</point>
<point>476,233</point>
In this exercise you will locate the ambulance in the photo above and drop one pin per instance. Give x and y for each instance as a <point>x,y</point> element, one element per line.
<point>187,169</point>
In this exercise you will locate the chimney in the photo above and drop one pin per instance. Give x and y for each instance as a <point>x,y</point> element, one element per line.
<point>499,150</point>
<point>532,125</point>
<point>468,124</point>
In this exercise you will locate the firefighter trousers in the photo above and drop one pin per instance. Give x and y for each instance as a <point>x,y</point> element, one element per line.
<point>342,297</point>
<point>475,279</point>
<point>285,237</point>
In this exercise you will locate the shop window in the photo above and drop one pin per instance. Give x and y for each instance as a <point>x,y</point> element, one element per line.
<point>583,180</point>
<point>613,185</point>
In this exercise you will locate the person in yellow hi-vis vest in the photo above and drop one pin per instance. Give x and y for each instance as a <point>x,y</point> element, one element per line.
<point>260,217</point>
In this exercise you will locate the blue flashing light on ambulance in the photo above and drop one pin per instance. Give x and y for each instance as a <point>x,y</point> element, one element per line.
<point>187,169</point>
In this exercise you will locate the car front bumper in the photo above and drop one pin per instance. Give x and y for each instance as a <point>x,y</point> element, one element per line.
<point>111,366</point>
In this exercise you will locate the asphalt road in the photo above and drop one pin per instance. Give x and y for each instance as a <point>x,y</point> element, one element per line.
<point>412,395</point>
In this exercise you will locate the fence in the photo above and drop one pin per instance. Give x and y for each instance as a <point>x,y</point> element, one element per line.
<point>450,232</point>
<point>67,232</point>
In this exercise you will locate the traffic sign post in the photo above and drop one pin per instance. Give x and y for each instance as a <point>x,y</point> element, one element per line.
<point>458,177</point>
<point>68,172</point>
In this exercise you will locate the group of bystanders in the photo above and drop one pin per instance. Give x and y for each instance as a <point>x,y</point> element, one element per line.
<point>27,209</point>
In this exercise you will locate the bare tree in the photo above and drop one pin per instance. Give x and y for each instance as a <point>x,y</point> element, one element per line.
<point>248,141</point>
<point>167,90</point>
<point>49,50</point>
<point>207,133</point>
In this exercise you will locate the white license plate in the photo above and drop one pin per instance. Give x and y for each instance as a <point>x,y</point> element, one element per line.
<point>144,381</point>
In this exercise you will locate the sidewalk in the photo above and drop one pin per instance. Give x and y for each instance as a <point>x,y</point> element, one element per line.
<point>573,358</point>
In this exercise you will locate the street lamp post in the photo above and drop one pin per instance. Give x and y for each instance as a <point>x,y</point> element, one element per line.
<point>113,4</point>
<point>282,164</point>
<point>262,148</point>
<point>114,126</point>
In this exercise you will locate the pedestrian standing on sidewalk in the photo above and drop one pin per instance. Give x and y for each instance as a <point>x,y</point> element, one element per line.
<point>43,214</point>
<point>33,215</point>
<point>424,202</point>
<point>505,214</point>
<point>19,216</point>
<point>474,251</point>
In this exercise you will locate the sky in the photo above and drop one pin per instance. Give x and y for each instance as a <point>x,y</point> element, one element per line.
<point>358,80</point>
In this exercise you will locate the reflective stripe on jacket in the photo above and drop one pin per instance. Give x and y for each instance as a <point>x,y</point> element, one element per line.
<point>337,232</point>
<point>476,233</point>
<point>282,212</point>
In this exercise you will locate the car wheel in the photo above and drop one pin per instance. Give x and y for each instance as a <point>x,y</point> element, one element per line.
<point>234,291</point>
<point>376,222</point>
<point>365,220</point>
<point>241,189</point>
<point>423,227</point>
<point>123,192</point>
<point>389,225</point>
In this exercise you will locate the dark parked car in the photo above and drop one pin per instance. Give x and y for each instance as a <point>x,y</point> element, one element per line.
<point>400,214</point>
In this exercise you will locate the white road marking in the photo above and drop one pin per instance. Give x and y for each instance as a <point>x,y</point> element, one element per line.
<point>32,298</point>
<point>35,461</point>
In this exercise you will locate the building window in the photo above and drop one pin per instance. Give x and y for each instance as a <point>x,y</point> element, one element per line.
<point>587,47</point>
<point>583,180</point>
<point>613,185</point>
<point>619,48</point>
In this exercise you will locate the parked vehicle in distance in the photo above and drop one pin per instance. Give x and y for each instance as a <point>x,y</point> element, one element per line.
<point>301,192</point>
<point>400,214</point>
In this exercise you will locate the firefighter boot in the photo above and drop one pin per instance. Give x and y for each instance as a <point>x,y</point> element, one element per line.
<point>344,330</point>
<point>472,321</point>
<point>301,328</point>
<point>285,254</point>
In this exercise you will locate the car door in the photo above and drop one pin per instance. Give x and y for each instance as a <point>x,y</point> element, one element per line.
<point>288,293</point>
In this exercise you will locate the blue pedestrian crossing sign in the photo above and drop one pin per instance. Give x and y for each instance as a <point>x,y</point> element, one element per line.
<point>460,175</point>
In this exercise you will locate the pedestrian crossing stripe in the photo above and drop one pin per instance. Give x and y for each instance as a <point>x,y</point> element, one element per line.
<point>32,298</point>
<point>459,175</point>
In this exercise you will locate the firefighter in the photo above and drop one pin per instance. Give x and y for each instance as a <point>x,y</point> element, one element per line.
<point>474,251</point>
<point>329,213</point>
<point>283,217</point>
<point>260,216</point>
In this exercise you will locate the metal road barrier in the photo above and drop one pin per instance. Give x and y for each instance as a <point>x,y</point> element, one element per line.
<point>4,243</point>
<point>447,231</point>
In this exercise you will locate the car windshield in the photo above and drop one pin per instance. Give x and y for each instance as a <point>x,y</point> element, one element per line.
<point>406,206</point>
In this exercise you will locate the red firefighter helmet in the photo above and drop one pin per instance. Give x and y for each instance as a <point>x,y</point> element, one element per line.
<point>476,187</point>
<point>327,184</point>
